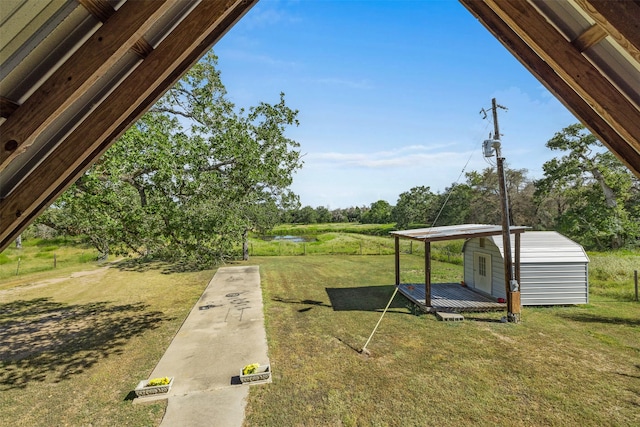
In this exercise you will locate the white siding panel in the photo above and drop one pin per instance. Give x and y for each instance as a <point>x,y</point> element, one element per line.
<point>554,283</point>
<point>497,263</point>
<point>553,268</point>
<point>469,247</point>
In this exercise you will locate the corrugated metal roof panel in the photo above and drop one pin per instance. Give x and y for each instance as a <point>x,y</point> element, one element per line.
<point>451,232</point>
<point>545,246</point>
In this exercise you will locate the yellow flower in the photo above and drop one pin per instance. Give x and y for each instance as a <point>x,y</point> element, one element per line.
<point>158,381</point>
<point>250,369</point>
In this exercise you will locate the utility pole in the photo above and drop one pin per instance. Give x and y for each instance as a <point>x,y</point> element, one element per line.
<point>512,288</point>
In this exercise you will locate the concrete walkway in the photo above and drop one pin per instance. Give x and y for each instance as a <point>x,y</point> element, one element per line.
<point>223,332</point>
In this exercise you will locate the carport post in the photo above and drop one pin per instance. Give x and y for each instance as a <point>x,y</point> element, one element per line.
<point>397,260</point>
<point>517,260</point>
<point>427,273</point>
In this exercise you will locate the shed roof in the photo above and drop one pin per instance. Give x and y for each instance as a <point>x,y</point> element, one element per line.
<point>452,232</point>
<point>546,247</point>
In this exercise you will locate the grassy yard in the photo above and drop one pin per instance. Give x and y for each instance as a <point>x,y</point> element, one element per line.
<point>351,243</point>
<point>45,256</point>
<point>560,366</point>
<point>73,345</point>
<point>77,339</point>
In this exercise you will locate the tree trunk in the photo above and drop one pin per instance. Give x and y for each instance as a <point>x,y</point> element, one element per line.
<point>245,245</point>
<point>19,242</point>
<point>609,194</point>
<point>103,250</point>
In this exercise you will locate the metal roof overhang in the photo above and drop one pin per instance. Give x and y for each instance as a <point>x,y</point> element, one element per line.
<point>586,52</point>
<point>75,74</point>
<point>452,232</point>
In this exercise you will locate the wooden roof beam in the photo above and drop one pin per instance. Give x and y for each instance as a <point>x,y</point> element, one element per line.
<point>590,37</point>
<point>552,81</point>
<point>102,11</point>
<point>191,39</point>
<point>574,68</point>
<point>103,49</point>
<point>99,9</point>
<point>469,235</point>
<point>619,19</point>
<point>7,107</point>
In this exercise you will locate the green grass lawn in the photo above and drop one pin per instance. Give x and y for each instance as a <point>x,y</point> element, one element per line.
<point>72,347</point>
<point>45,256</point>
<point>78,342</point>
<point>351,243</point>
<point>560,366</point>
<point>340,227</point>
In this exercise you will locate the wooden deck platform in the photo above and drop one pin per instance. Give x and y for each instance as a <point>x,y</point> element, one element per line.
<point>449,297</point>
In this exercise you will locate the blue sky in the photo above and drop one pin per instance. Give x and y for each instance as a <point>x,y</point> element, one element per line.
<point>389,94</point>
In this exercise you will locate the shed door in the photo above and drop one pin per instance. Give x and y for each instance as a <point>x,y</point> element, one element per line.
<point>482,271</point>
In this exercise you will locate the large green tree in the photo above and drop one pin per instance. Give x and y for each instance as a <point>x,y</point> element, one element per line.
<point>484,201</point>
<point>190,178</point>
<point>380,213</point>
<point>453,205</point>
<point>415,206</point>
<point>588,193</point>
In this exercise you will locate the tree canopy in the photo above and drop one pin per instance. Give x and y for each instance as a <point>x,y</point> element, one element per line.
<point>589,193</point>
<point>415,206</point>
<point>190,178</point>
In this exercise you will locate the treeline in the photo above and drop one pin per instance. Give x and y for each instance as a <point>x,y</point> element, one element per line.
<point>586,194</point>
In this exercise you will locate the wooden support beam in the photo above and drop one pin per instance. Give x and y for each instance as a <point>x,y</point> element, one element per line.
<point>67,84</point>
<point>102,11</point>
<point>572,67</point>
<point>7,107</point>
<point>397,259</point>
<point>589,38</point>
<point>142,48</point>
<point>427,274</point>
<point>99,9</point>
<point>193,37</point>
<point>619,19</point>
<point>514,298</point>
<point>517,259</point>
<point>628,153</point>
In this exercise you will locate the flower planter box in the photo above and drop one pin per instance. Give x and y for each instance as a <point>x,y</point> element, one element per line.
<point>263,373</point>
<point>143,390</point>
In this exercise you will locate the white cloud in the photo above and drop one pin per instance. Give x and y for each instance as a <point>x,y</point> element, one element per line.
<point>269,14</point>
<point>408,156</point>
<point>260,59</point>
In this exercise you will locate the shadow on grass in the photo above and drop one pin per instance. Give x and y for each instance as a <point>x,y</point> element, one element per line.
<point>631,376</point>
<point>594,318</point>
<point>43,340</point>
<point>366,298</point>
<point>613,296</point>
<point>483,319</point>
<point>142,265</point>
<point>308,302</point>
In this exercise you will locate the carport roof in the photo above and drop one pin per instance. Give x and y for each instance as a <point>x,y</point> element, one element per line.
<point>452,232</point>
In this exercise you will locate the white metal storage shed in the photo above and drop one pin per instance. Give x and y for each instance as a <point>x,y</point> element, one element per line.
<point>553,268</point>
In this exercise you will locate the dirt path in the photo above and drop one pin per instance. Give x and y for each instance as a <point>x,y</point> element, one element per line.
<point>81,275</point>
